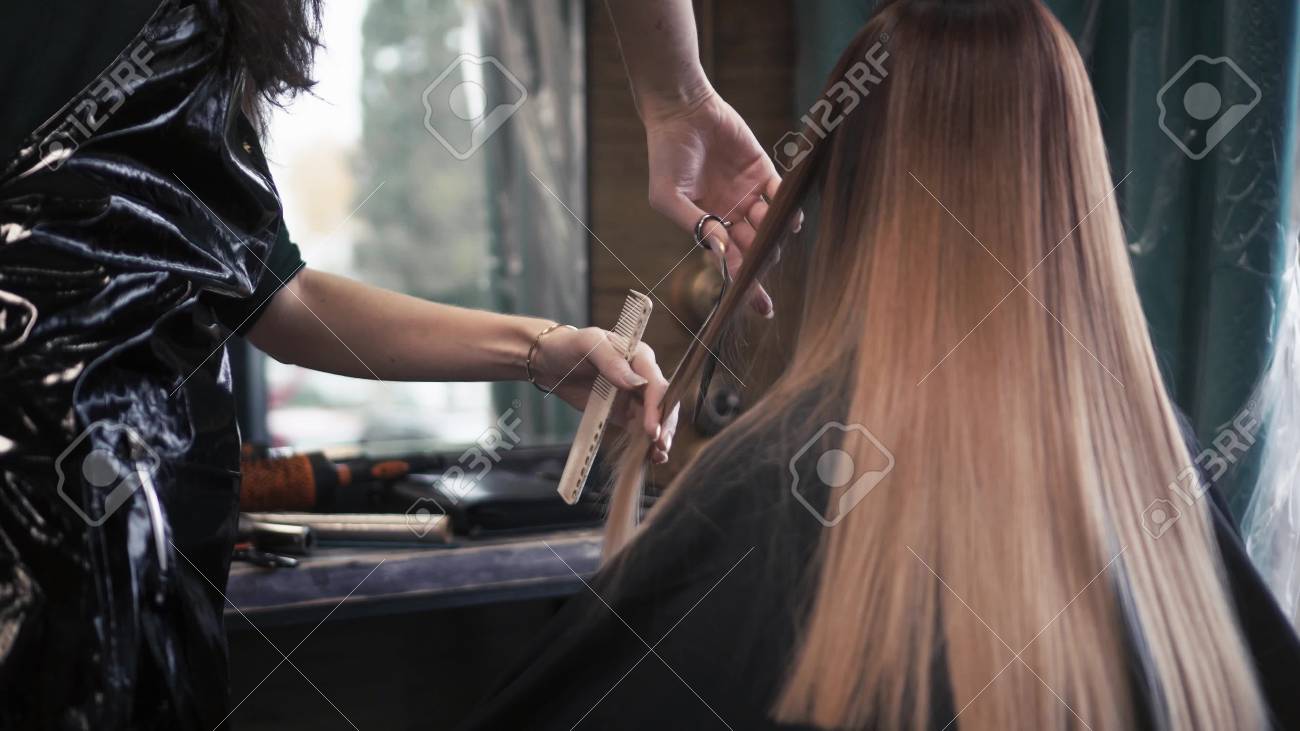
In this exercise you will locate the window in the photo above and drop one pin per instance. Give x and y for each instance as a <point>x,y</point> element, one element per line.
<point>430,161</point>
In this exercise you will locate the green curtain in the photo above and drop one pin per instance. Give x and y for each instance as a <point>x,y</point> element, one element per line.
<point>1206,226</point>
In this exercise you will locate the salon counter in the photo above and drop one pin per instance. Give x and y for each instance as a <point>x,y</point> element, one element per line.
<point>360,582</point>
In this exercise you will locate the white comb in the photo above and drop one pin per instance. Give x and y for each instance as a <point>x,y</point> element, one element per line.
<point>627,331</point>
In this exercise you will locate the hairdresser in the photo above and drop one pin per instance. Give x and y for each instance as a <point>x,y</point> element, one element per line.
<point>139,229</point>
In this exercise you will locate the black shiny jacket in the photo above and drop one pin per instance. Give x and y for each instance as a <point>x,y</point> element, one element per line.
<point>122,218</point>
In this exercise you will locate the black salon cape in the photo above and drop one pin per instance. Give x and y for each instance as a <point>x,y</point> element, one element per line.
<point>123,268</point>
<point>49,51</point>
<point>710,591</point>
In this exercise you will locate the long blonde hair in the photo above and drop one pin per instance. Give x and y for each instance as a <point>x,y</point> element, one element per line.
<point>1005,548</point>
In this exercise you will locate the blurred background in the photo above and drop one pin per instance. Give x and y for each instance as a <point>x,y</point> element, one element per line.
<point>369,192</point>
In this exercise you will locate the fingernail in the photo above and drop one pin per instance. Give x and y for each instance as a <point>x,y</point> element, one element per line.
<point>661,457</point>
<point>658,430</point>
<point>668,441</point>
<point>636,380</point>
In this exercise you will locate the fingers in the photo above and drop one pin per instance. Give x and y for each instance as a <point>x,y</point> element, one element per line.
<point>641,373</point>
<point>683,212</point>
<point>686,214</point>
<point>757,213</point>
<point>744,233</point>
<point>770,191</point>
<point>642,384</point>
<point>772,186</point>
<point>629,413</point>
<point>643,363</point>
<point>670,429</point>
<point>611,364</point>
<point>735,241</point>
<point>661,447</point>
<point>643,410</point>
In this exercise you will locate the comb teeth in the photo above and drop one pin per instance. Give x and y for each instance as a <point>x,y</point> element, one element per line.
<point>602,387</point>
<point>632,321</point>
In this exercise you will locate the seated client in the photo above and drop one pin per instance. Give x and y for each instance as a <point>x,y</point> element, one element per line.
<point>934,518</point>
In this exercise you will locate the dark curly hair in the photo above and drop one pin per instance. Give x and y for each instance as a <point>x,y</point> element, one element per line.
<point>275,41</point>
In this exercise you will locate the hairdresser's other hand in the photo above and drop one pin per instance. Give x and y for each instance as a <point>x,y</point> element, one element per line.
<point>705,159</point>
<point>568,362</point>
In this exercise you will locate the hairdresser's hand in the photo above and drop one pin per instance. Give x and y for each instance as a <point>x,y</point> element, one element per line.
<point>568,361</point>
<point>705,159</point>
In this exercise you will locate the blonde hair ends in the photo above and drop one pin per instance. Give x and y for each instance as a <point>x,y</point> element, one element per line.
<point>1006,544</point>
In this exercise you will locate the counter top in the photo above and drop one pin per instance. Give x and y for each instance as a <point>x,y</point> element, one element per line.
<point>340,582</point>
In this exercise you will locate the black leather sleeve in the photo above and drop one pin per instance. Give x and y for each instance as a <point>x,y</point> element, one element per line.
<point>282,264</point>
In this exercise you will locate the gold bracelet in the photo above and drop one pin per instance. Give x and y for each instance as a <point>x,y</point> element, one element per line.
<point>532,351</point>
